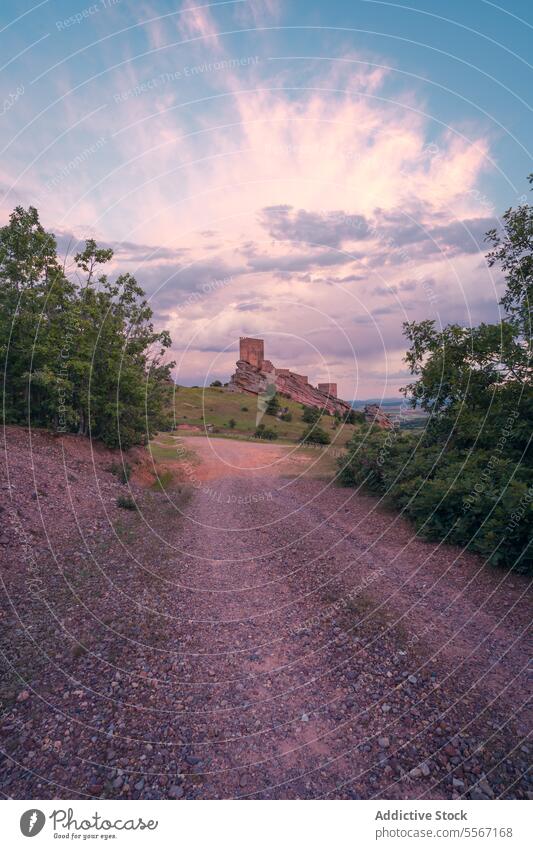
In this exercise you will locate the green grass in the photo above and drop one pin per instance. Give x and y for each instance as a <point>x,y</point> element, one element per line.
<point>163,481</point>
<point>198,407</point>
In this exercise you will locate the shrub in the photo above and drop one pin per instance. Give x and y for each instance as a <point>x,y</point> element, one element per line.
<point>163,480</point>
<point>232,423</point>
<point>126,502</point>
<point>244,409</point>
<point>263,432</point>
<point>286,417</point>
<point>311,415</point>
<point>315,435</point>
<point>355,417</point>
<point>272,407</point>
<point>216,383</point>
<point>450,493</point>
<point>121,470</point>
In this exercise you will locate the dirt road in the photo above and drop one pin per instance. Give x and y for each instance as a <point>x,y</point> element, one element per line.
<point>268,636</point>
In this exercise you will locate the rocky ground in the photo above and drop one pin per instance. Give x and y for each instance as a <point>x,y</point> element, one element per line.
<point>246,634</point>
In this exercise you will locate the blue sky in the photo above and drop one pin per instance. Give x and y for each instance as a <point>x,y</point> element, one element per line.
<point>315,173</point>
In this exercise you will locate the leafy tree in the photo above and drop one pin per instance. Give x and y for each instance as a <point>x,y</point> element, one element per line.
<point>79,355</point>
<point>311,415</point>
<point>468,479</point>
<point>354,417</point>
<point>272,406</point>
<point>315,435</point>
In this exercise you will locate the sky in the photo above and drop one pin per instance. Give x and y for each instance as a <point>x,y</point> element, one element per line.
<point>312,173</point>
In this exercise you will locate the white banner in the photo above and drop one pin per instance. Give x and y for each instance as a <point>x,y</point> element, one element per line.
<point>261,824</point>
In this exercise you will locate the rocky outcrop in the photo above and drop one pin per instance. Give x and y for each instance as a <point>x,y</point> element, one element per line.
<point>248,378</point>
<point>375,415</point>
<point>265,380</point>
<point>304,393</point>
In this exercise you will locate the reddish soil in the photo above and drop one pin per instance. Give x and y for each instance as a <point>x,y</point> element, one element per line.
<point>246,635</point>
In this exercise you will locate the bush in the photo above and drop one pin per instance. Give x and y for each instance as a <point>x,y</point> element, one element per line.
<point>467,478</point>
<point>263,432</point>
<point>272,407</point>
<point>163,480</point>
<point>450,493</point>
<point>216,383</point>
<point>121,470</point>
<point>286,417</point>
<point>315,435</point>
<point>355,417</point>
<point>311,415</point>
<point>126,502</point>
<point>232,423</point>
<point>244,409</point>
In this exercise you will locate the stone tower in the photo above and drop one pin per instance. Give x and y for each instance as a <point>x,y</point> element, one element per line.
<point>252,351</point>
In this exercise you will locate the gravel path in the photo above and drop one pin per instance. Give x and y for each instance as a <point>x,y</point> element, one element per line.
<point>251,635</point>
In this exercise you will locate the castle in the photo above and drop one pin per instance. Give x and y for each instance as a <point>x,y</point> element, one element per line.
<point>256,375</point>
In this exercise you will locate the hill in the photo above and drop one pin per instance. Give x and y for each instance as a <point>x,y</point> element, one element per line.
<point>211,409</point>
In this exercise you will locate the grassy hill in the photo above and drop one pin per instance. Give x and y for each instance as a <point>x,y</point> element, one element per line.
<point>198,408</point>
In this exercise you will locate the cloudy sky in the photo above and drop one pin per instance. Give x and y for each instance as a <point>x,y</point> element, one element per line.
<point>314,173</point>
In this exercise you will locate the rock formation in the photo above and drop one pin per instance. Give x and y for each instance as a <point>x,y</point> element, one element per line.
<point>375,415</point>
<point>258,376</point>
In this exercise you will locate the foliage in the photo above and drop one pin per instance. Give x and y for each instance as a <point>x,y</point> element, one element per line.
<point>286,417</point>
<point>263,432</point>
<point>315,435</point>
<point>355,417</point>
<point>79,351</point>
<point>272,407</point>
<point>216,383</point>
<point>232,423</point>
<point>311,415</point>
<point>126,502</point>
<point>467,478</point>
<point>121,470</point>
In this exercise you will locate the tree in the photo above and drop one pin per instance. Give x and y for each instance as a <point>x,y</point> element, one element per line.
<point>311,415</point>
<point>467,478</point>
<point>263,432</point>
<point>354,417</point>
<point>315,435</point>
<point>78,354</point>
<point>272,406</point>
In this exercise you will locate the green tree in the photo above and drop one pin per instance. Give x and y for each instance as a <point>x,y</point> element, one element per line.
<point>311,415</point>
<point>78,354</point>
<point>272,407</point>
<point>315,435</point>
<point>468,478</point>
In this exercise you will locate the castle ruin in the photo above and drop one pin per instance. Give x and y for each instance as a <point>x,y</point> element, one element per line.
<point>256,375</point>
